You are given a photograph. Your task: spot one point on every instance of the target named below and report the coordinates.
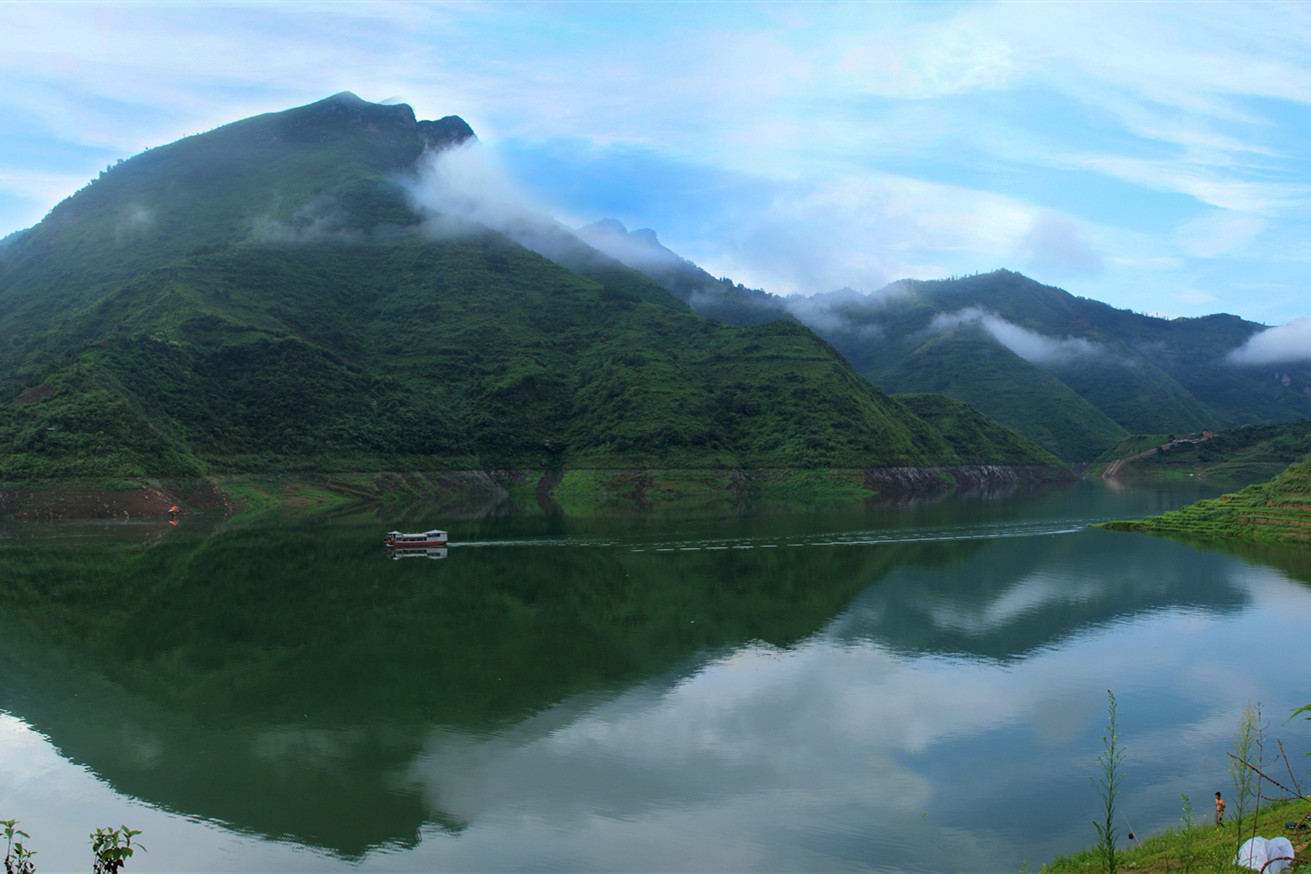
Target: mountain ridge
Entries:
(1071, 373)
(276, 295)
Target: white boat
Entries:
(419, 540)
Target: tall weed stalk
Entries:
(1108, 785)
(1244, 768)
(1187, 838)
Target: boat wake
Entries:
(875, 537)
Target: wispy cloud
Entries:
(467, 182)
(845, 309)
(1031, 346)
(319, 221)
(133, 223)
(1282, 344)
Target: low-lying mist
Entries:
(1282, 344)
(1031, 346)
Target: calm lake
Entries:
(912, 688)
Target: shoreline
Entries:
(1203, 847)
(476, 492)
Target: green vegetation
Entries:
(1193, 847)
(110, 849)
(1190, 846)
(262, 299)
(1093, 374)
(965, 364)
(18, 858)
(1236, 456)
(975, 438)
(1108, 781)
(1278, 511)
(1186, 850)
(1247, 751)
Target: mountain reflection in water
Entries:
(796, 692)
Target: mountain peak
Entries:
(351, 109)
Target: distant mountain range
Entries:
(305, 290)
(1072, 374)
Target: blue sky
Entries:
(1156, 156)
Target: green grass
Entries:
(1212, 849)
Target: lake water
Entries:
(920, 687)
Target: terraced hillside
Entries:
(1278, 511)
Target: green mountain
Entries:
(1144, 374)
(271, 296)
(1072, 374)
(965, 363)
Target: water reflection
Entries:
(907, 687)
(436, 552)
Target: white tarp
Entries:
(1257, 854)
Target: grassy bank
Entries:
(1278, 511)
(1202, 847)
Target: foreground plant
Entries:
(18, 859)
(1245, 766)
(1108, 782)
(1187, 838)
(112, 848)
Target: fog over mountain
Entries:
(1029, 345)
(1282, 343)
(1103, 372)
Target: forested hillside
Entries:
(267, 296)
(1072, 374)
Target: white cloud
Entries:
(834, 311)
(822, 234)
(1206, 184)
(467, 182)
(1285, 343)
(1029, 345)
